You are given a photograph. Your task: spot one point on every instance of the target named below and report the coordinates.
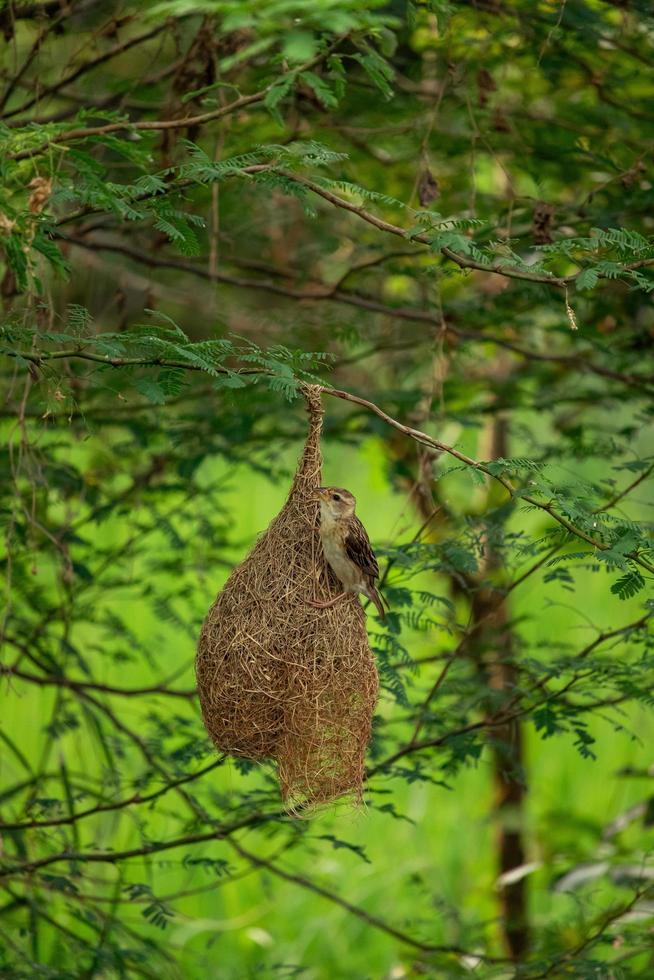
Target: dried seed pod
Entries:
(543, 223)
(428, 188)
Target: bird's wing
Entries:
(358, 549)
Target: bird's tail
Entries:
(376, 598)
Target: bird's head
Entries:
(335, 503)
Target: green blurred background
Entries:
(210, 178)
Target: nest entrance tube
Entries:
(279, 679)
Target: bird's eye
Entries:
(336, 496)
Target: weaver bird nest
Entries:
(279, 679)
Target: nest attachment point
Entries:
(279, 679)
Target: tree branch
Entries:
(322, 292)
(128, 692)
(136, 800)
(427, 440)
(154, 847)
(158, 125)
(463, 261)
(367, 917)
(421, 437)
(627, 490)
(86, 66)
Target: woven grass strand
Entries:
(279, 679)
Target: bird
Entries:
(346, 547)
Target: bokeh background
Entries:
(191, 190)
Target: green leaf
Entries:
(378, 70)
(151, 389)
(343, 844)
(586, 280)
(279, 91)
(300, 46)
(257, 47)
(628, 585)
(322, 91)
(16, 260)
(277, 94)
(41, 243)
(229, 380)
(337, 75)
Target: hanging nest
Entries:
(279, 679)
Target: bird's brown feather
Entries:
(359, 550)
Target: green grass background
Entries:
(432, 872)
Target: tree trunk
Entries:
(491, 645)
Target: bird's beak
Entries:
(319, 493)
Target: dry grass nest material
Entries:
(279, 679)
